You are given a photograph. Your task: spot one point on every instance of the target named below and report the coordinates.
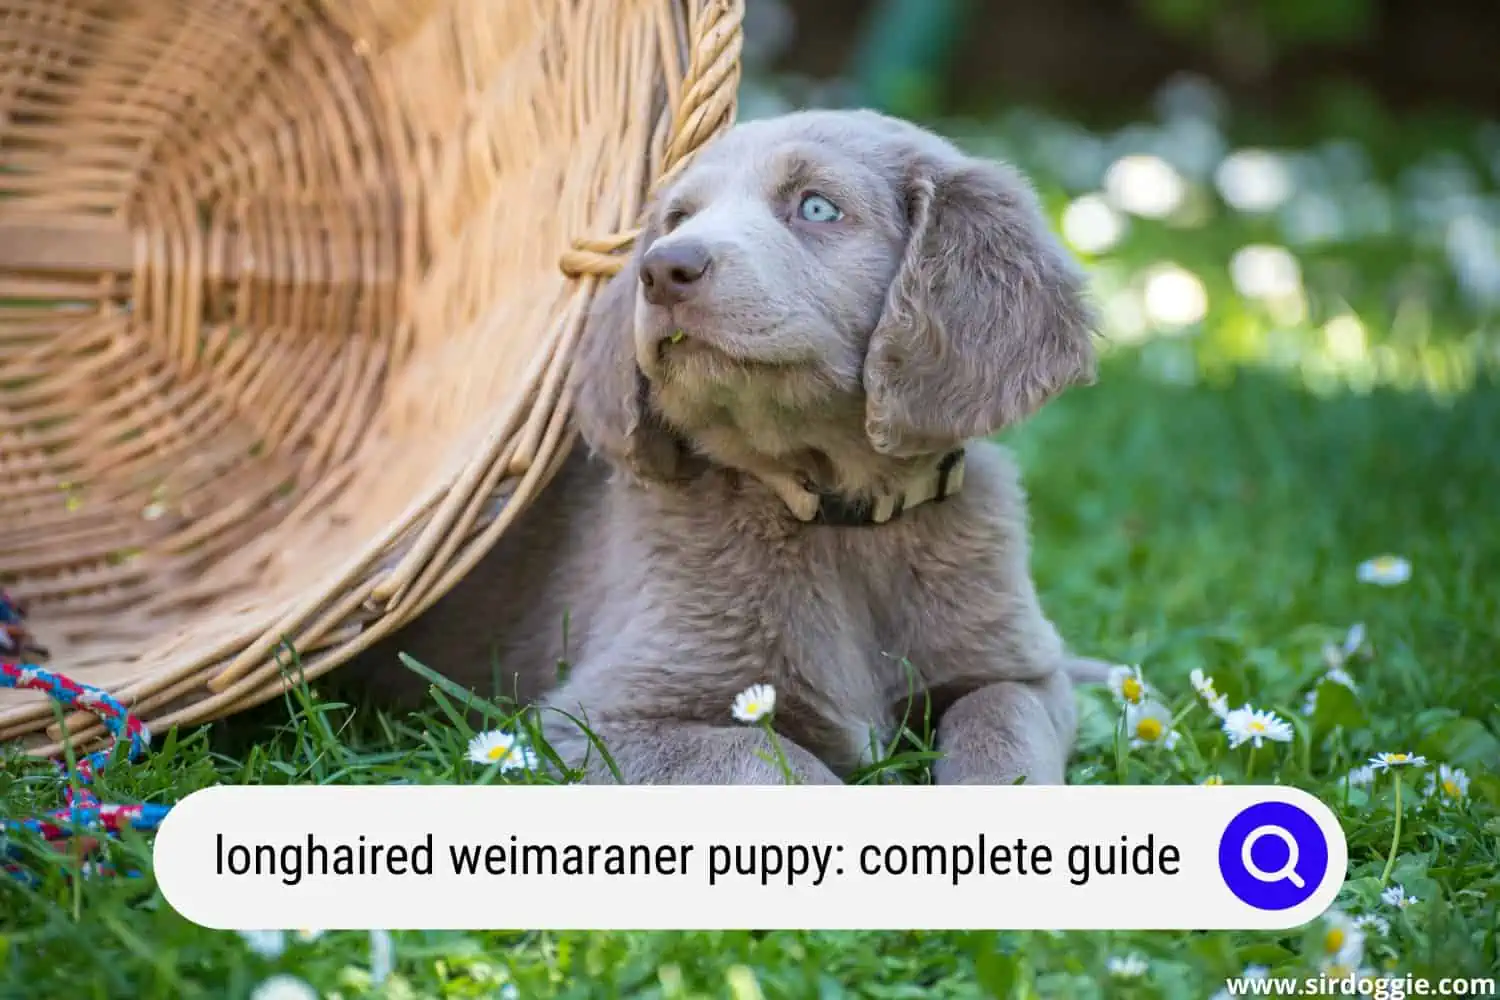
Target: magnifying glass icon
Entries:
(1288, 871)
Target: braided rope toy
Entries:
(83, 814)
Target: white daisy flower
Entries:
(1386, 761)
(1255, 726)
(1384, 571)
(1373, 922)
(382, 956)
(1396, 896)
(1362, 776)
(1449, 783)
(1213, 780)
(1150, 724)
(1128, 685)
(1132, 966)
(499, 747)
(266, 944)
(284, 987)
(1343, 942)
(754, 703)
(1204, 685)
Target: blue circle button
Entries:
(1273, 856)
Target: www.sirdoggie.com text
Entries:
(792, 864)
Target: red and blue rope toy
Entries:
(83, 816)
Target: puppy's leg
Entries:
(1007, 731)
(682, 753)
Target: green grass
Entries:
(1178, 527)
(1212, 519)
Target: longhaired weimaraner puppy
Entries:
(783, 397)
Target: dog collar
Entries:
(815, 506)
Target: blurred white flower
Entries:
(1262, 271)
(1310, 219)
(1255, 726)
(1174, 296)
(1384, 571)
(754, 703)
(266, 944)
(1310, 703)
(1090, 224)
(284, 987)
(1131, 966)
(1254, 180)
(1204, 685)
(1336, 656)
(1340, 676)
(1449, 782)
(1334, 971)
(1397, 896)
(1345, 336)
(1362, 776)
(1145, 185)
(1373, 922)
(1150, 724)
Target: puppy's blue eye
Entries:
(816, 208)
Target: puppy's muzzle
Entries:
(672, 272)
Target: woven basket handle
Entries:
(707, 108)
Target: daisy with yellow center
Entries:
(1451, 783)
(1373, 922)
(754, 703)
(1255, 726)
(1384, 571)
(1128, 685)
(1389, 761)
(1342, 941)
(1150, 724)
(499, 747)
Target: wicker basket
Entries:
(283, 327)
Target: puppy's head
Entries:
(832, 268)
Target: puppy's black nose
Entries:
(670, 272)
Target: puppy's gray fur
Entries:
(852, 354)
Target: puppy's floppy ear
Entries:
(985, 320)
(612, 407)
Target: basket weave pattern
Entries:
(288, 295)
